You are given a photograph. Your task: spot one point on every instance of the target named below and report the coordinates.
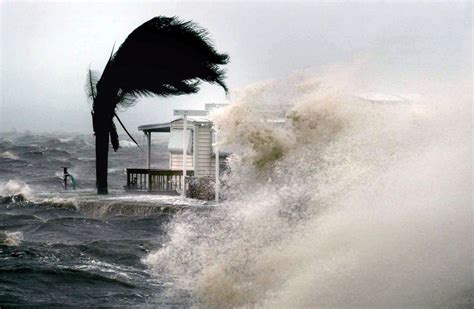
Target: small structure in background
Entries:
(194, 158)
(65, 176)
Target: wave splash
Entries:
(348, 202)
(11, 239)
(8, 155)
(15, 188)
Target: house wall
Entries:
(201, 160)
(203, 149)
(176, 160)
(205, 160)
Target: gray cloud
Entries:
(47, 47)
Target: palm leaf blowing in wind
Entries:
(164, 57)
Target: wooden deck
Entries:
(158, 180)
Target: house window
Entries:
(175, 144)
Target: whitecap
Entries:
(66, 140)
(12, 239)
(15, 187)
(127, 144)
(8, 155)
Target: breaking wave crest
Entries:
(8, 155)
(15, 188)
(12, 239)
(127, 144)
(349, 201)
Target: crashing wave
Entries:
(15, 188)
(12, 239)
(9, 155)
(127, 144)
(60, 202)
(346, 203)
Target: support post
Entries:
(216, 149)
(148, 159)
(185, 152)
(148, 152)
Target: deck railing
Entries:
(143, 179)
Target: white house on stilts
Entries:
(192, 154)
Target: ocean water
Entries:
(350, 202)
(73, 248)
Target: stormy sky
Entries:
(47, 48)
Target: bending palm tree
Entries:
(164, 57)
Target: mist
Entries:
(48, 47)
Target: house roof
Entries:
(166, 127)
(198, 119)
(157, 127)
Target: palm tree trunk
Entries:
(101, 122)
(101, 160)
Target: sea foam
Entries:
(12, 239)
(15, 187)
(348, 202)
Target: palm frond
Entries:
(91, 84)
(114, 140)
(128, 133)
(125, 99)
(166, 56)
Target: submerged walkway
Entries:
(120, 203)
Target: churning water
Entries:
(335, 197)
(65, 248)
